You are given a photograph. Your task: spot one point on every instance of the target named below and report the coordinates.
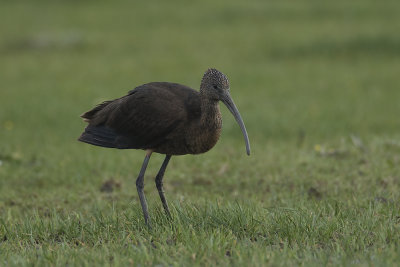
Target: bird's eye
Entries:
(215, 86)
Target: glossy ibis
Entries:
(166, 118)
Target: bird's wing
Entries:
(142, 119)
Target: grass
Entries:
(316, 84)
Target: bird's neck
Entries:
(210, 114)
(205, 132)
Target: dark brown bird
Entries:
(166, 118)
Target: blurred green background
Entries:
(327, 69)
(316, 82)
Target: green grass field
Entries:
(317, 84)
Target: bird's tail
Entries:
(87, 116)
(99, 136)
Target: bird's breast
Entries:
(196, 135)
(204, 136)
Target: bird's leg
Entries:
(159, 184)
(140, 186)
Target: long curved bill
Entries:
(227, 100)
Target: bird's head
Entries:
(215, 86)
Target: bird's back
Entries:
(150, 116)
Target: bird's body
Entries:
(162, 117)
(167, 118)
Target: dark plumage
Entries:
(162, 117)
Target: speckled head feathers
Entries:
(214, 79)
